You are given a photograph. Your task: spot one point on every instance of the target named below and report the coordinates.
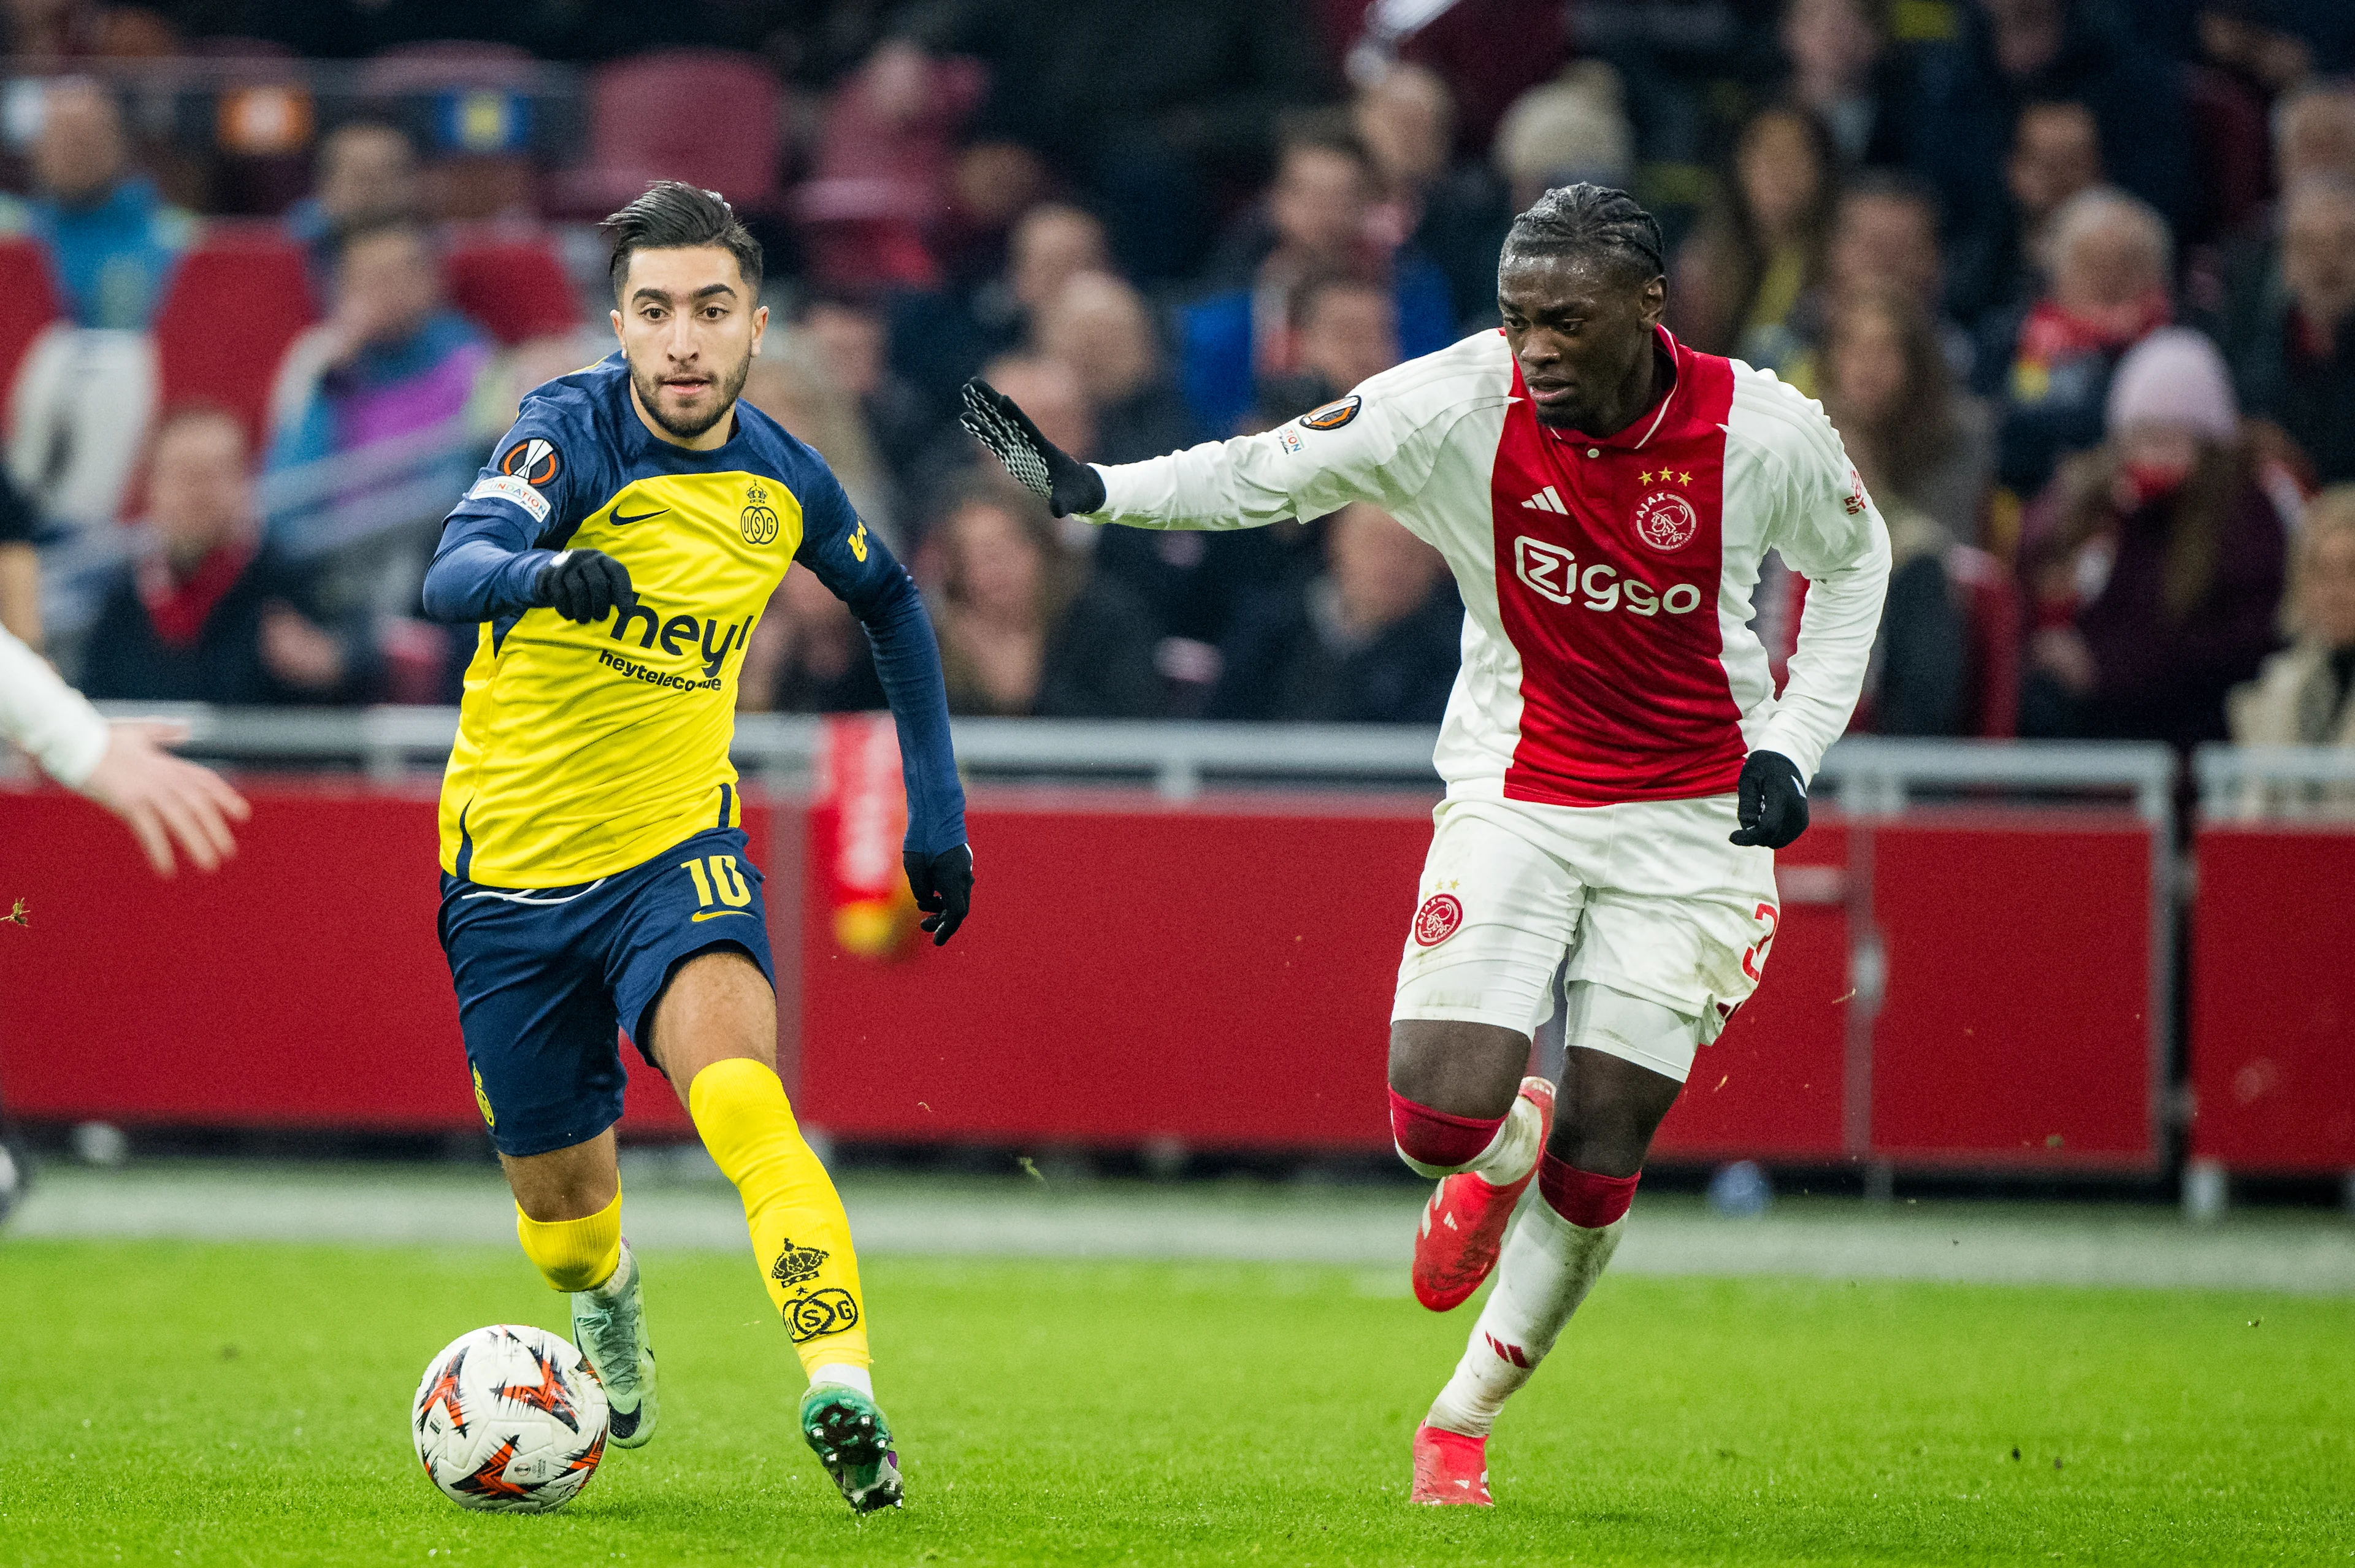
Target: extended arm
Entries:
(860, 570)
(1378, 444)
(1844, 558)
(123, 767)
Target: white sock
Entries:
(1548, 1267)
(1510, 1155)
(846, 1374)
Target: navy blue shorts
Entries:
(547, 976)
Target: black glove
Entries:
(942, 884)
(1771, 799)
(1045, 470)
(584, 585)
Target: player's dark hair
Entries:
(675, 215)
(1588, 219)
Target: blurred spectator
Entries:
(1488, 52)
(78, 30)
(938, 339)
(1374, 640)
(1315, 220)
(2156, 563)
(1149, 107)
(2051, 364)
(788, 382)
(808, 655)
(1023, 628)
(2305, 695)
(850, 343)
(1924, 449)
(1841, 70)
(1571, 131)
(111, 237)
(2297, 367)
(211, 614)
(1914, 435)
(2056, 154)
(1760, 245)
(2011, 53)
(20, 567)
(1096, 327)
(367, 177)
(1452, 214)
(879, 186)
(391, 360)
(1347, 332)
(1885, 234)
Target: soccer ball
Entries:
(511, 1418)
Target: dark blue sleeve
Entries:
(861, 571)
(495, 541)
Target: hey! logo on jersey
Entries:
(534, 462)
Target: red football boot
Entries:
(1463, 1224)
(1450, 1469)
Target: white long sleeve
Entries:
(51, 720)
(1828, 529)
(1378, 444)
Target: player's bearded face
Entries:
(689, 332)
(1582, 330)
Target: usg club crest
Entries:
(758, 523)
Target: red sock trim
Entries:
(1582, 1197)
(1434, 1137)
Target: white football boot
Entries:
(609, 1324)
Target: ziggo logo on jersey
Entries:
(1552, 572)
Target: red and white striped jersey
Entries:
(1606, 580)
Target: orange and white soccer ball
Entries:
(511, 1418)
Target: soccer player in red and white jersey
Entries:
(1619, 767)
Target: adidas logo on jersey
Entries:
(1545, 500)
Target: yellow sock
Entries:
(574, 1254)
(801, 1237)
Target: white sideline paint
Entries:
(1820, 1238)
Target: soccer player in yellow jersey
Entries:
(615, 554)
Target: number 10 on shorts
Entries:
(724, 879)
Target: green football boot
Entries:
(847, 1432)
(609, 1326)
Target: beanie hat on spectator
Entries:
(2174, 377)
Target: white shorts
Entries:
(1645, 898)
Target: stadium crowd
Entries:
(2076, 279)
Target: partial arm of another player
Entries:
(1833, 534)
(123, 767)
(861, 571)
(1370, 452)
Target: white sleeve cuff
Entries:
(51, 720)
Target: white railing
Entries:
(2272, 783)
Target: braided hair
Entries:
(1579, 219)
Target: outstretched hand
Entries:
(163, 799)
(942, 884)
(1771, 799)
(1045, 470)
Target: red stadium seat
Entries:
(28, 305)
(708, 116)
(1992, 616)
(236, 303)
(512, 284)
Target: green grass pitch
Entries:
(184, 1403)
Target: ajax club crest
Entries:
(758, 523)
(1666, 521)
